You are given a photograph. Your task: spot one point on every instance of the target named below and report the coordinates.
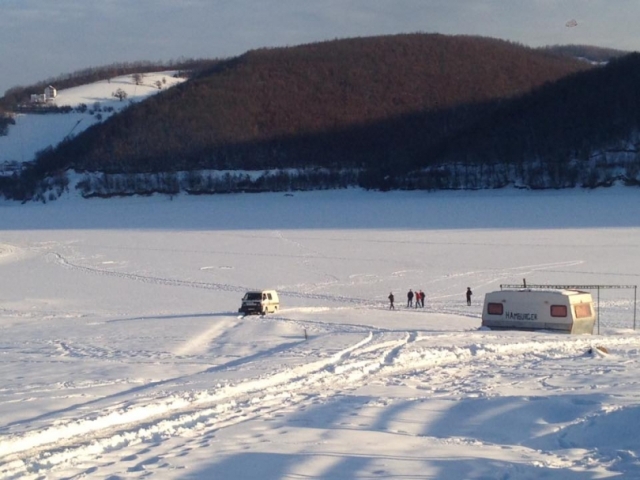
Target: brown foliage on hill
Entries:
(336, 84)
(312, 89)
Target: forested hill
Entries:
(380, 105)
(312, 88)
(315, 88)
(581, 130)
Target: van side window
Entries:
(264, 296)
(582, 310)
(269, 295)
(558, 310)
(495, 309)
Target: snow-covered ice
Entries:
(123, 355)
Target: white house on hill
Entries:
(49, 94)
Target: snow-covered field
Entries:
(35, 132)
(122, 354)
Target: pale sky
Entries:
(43, 38)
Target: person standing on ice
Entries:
(469, 293)
(409, 299)
(391, 299)
(421, 293)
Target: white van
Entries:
(568, 311)
(260, 301)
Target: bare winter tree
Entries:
(120, 94)
(137, 78)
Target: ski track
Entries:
(490, 277)
(58, 258)
(437, 296)
(375, 357)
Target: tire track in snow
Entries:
(44, 450)
(35, 442)
(373, 357)
(200, 342)
(12, 253)
(7, 251)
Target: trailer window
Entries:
(558, 310)
(583, 310)
(495, 309)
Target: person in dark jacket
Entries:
(410, 298)
(391, 299)
(469, 293)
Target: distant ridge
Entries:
(588, 53)
(401, 111)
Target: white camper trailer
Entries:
(567, 311)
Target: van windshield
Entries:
(253, 296)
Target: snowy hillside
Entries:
(123, 355)
(35, 132)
